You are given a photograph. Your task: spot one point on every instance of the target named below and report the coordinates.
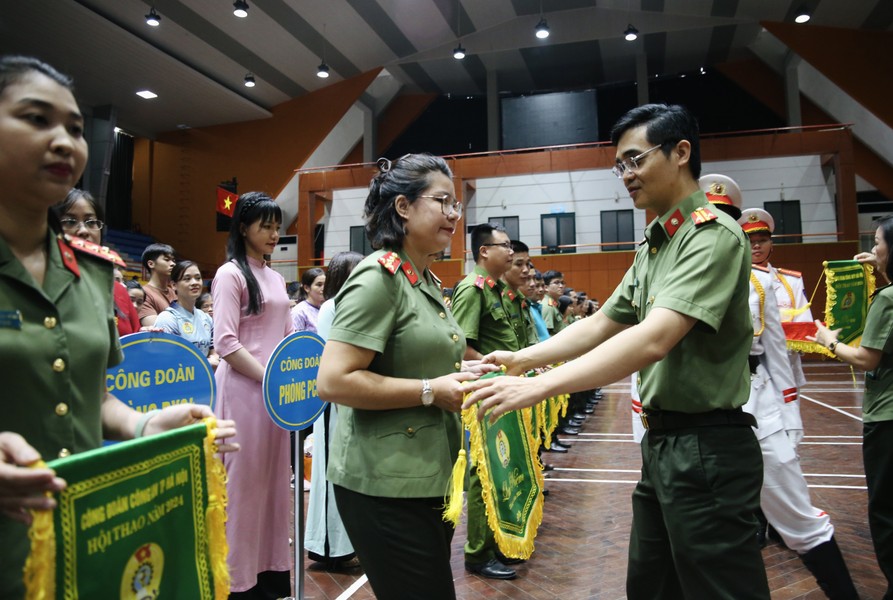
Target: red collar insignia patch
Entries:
(673, 224)
(68, 258)
(410, 273)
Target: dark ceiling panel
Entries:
(724, 8)
(302, 31)
(655, 45)
(581, 65)
(653, 5)
(721, 38)
(460, 26)
(534, 7)
(204, 30)
(417, 73)
(881, 17)
(376, 17)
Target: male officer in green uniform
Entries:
(680, 317)
(484, 314)
(514, 298)
(554, 282)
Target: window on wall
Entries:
(617, 226)
(558, 230)
(359, 242)
(510, 224)
(786, 214)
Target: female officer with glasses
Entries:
(394, 365)
(81, 216)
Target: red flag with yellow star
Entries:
(226, 201)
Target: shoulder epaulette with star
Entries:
(95, 250)
(702, 215)
(760, 268)
(390, 261)
(796, 274)
(509, 294)
(481, 280)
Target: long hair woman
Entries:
(250, 319)
(874, 355)
(310, 298)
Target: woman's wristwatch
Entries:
(833, 347)
(427, 393)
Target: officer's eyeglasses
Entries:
(631, 163)
(506, 245)
(74, 224)
(447, 203)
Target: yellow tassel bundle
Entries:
(40, 568)
(456, 487)
(216, 513)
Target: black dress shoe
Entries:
(548, 467)
(579, 416)
(589, 409)
(508, 561)
(558, 442)
(575, 423)
(566, 430)
(556, 448)
(491, 570)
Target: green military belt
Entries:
(657, 420)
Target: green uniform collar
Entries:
(678, 217)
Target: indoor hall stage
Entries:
(581, 547)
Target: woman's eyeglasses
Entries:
(447, 203)
(74, 224)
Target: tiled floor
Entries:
(582, 543)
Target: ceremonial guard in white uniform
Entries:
(787, 285)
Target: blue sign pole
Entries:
(293, 403)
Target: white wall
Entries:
(587, 193)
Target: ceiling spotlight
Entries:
(240, 8)
(803, 15)
(249, 80)
(542, 29)
(323, 70)
(459, 52)
(147, 94)
(631, 33)
(153, 19)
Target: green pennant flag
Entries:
(138, 520)
(512, 480)
(850, 285)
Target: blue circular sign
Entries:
(160, 370)
(290, 395)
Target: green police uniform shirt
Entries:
(388, 307)
(519, 314)
(694, 261)
(877, 404)
(553, 319)
(56, 342)
(481, 313)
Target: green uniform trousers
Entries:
(694, 531)
(480, 545)
(877, 454)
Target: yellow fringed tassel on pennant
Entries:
(40, 568)
(456, 487)
(216, 513)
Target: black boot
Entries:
(826, 564)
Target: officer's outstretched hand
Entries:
(502, 394)
(866, 257)
(478, 367)
(509, 360)
(23, 488)
(449, 390)
(180, 415)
